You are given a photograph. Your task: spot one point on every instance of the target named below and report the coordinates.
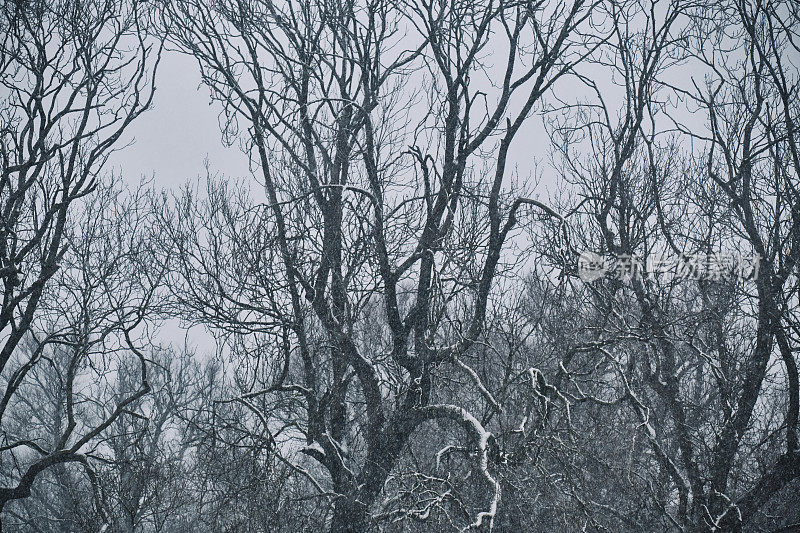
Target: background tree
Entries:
(74, 74)
(701, 364)
(83, 365)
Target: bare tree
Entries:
(370, 211)
(752, 156)
(93, 317)
(386, 357)
(75, 74)
(697, 362)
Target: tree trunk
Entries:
(350, 516)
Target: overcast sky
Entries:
(174, 138)
(172, 141)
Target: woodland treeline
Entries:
(401, 341)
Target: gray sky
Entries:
(174, 138)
